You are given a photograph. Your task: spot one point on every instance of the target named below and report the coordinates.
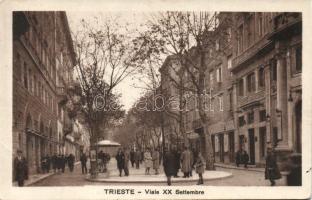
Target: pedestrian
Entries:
(20, 168)
(177, 156)
(169, 165)
(120, 157)
(141, 157)
(137, 158)
(43, 162)
(59, 163)
(63, 162)
(245, 158)
(199, 167)
(132, 160)
(193, 160)
(155, 157)
(126, 162)
(238, 157)
(271, 169)
(70, 162)
(83, 161)
(54, 162)
(294, 176)
(148, 162)
(48, 166)
(186, 162)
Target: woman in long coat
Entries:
(199, 166)
(155, 157)
(271, 169)
(169, 165)
(120, 157)
(186, 161)
(148, 161)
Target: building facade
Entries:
(254, 89)
(43, 57)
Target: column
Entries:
(281, 108)
(245, 85)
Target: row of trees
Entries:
(106, 55)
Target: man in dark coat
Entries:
(83, 160)
(271, 169)
(71, 161)
(59, 162)
(294, 177)
(43, 162)
(120, 157)
(48, 165)
(20, 168)
(54, 162)
(132, 157)
(245, 158)
(137, 158)
(169, 164)
(63, 162)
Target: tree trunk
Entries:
(93, 147)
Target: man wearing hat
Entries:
(20, 168)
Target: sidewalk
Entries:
(34, 178)
(139, 176)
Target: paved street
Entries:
(239, 178)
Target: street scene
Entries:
(157, 98)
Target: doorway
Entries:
(298, 114)
(231, 147)
(251, 137)
(221, 145)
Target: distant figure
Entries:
(155, 157)
(245, 158)
(54, 162)
(63, 163)
(43, 164)
(186, 160)
(148, 161)
(83, 161)
(137, 158)
(294, 177)
(132, 160)
(71, 162)
(48, 165)
(20, 168)
(59, 163)
(241, 157)
(271, 169)
(193, 160)
(169, 165)
(177, 156)
(199, 167)
(126, 164)
(120, 157)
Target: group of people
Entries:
(58, 162)
(242, 157)
(187, 160)
(103, 159)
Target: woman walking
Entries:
(120, 157)
(199, 166)
(148, 161)
(271, 169)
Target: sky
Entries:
(134, 20)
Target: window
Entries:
(241, 121)
(229, 34)
(219, 75)
(262, 115)
(230, 100)
(275, 137)
(298, 59)
(273, 70)
(250, 117)
(240, 44)
(251, 84)
(229, 62)
(260, 24)
(262, 133)
(25, 76)
(211, 78)
(261, 77)
(211, 104)
(35, 85)
(217, 45)
(221, 103)
(241, 87)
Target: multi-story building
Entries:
(43, 57)
(267, 90)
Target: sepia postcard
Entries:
(155, 99)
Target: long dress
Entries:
(186, 161)
(148, 159)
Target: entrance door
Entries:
(251, 136)
(262, 141)
(221, 145)
(231, 147)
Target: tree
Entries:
(105, 57)
(189, 36)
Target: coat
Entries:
(148, 159)
(137, 156)
(271, 168)
(20, 169)
(155, 157)
(169, 164)
(127, 158)
(200, 164)
(120, 157)
(186, 161)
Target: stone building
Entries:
(43, 57)
(266, 69)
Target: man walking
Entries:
(132, 157)
(120, 157)
(155, 157)
(271, 170)
(83, 161)
(137, 158)
(126, 164)
(20, 168)
(186, 162)
(169, 165)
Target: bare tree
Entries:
(188, 36)
(105, 57)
